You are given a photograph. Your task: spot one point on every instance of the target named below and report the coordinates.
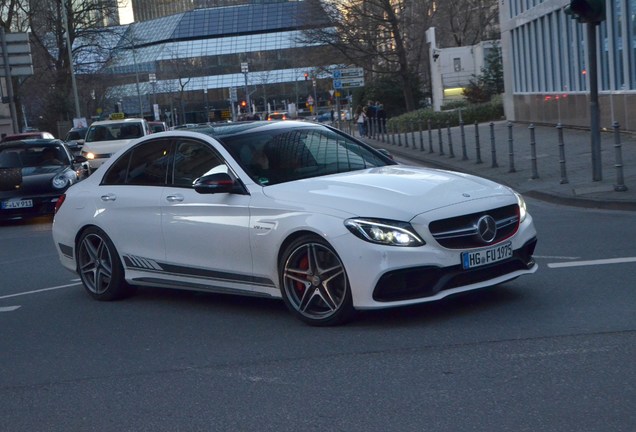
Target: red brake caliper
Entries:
(303, 264)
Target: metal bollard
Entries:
(406, 135)
(533, 152)
(384, 136)
(511, 152)
(493, 149)
(477, 147)
(463, 133)
(393, 135)
(413, 135)
(430, 137)
(564, 176)
(441, 141)
(421, 136)
(450, 141)
(620, 181)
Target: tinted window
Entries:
(145, 164)
(290, 154)
(194, 159)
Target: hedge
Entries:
(486, 112)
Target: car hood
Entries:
(393, 192)
(36, 180)
(105, 147)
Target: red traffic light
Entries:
(243, 104)
(306, 76)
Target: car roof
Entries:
(32, 142)
(239, 128)
(126, 120)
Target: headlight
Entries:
(89, 155)
(386, 232)
(523, 211)
(63, 180)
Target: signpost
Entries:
(346, 78)
(16, 61)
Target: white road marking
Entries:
(555, 257)
(40, 290)
(9, 308)
(593, 262)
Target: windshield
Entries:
(279, 156)
(33, 156)
(114, 131)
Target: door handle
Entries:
(109, 197)
(174, 198)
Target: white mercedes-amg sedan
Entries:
(291, 210)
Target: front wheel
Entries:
(314, 282)
(99, 266)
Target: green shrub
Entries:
(414, 120)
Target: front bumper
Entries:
(429, 281)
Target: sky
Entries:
(125, 11)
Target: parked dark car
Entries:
(33, 175)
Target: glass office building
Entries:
(197, 61)
(545, 55)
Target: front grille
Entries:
(461, 232)
(426, 281)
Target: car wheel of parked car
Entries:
(314, 282)
(99, 266)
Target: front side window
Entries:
(144, 165)
(194, 159)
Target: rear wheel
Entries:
(99, 266)
(314, 282)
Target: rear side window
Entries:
(143, 165)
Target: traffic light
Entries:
(587, 11)
(243, 105)
(306, 76)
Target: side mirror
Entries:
(218, 183)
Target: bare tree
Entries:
(467, 22)
(385, 37)
(47, 93)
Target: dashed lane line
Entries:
(593, 262)
(40, 290)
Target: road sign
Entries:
(310, 100)
(346, 83)
(17, 55)
(348, 73)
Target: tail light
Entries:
(59, 202)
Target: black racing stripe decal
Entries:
(153, 266)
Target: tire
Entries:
(314, 282)
(99, 266)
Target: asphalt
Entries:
(549, 168)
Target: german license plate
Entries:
(17, 204)
(487, 256)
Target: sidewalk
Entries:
(549, 179)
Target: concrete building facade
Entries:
(546, 63)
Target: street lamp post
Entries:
(134, 52)
(69, 48)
